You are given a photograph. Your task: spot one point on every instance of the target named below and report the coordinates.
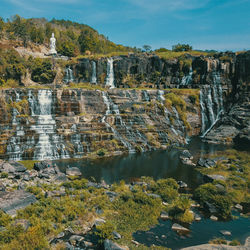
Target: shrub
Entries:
(5, 219)
(4, 175)
(234, 243)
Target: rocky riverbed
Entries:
(88, 215)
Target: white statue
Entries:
(52, 45)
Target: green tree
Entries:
(147, 48)
(181, 47)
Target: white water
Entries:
(49, 144)
(93, 77)
(211, 102)
(68, 75)
(146, 96)
(113, 108)
(187, 80)
(110, 73)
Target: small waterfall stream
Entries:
(69, 75)
(110, 73)
(211, 102)
(113, 108)
(187, 80)
(93, 77)
(49, 145)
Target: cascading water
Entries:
(45, 128)
(93, 77)
(68, 75)
(110, 73)
(76, 141)
(187, 80)
(44, 143)
(145, 96)
(113, 108)
(211, 102)
(161, 98)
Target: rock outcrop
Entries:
(62, 123)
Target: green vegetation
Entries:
(4, 175)
(29, 164)
(182, 47)
(42, 71)
(84, 85)
(172, 54)
(236, 170)
(72, 38)
(131, 210)
(235, 189)
(178, 102)
(210, 193)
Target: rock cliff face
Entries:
(53, 124)
(152, 71)
(212, 101)
(234, 127)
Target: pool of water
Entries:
(157, 164)
(200, 233)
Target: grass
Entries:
(84, 85)
(98, 56)
(236, 169)
(173, 55)
(29, 164)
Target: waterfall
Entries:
(160, 95)
(68, 75)
(145, 96)
(113, 108)
(187, 80)
(211, 102)
(76, 141)
(93, 77)
(49, 145)
(17, 97)
(110, 73)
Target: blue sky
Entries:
(205, 24)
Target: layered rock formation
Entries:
(63, 123)
(53, 124)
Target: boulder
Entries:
(60, 177)
(164, 215)
(38, 166)
(186, 154)
(116, 235)
(207, 163)
(99, 222)
(10, 202)
(197, 217)
(75, 240)
(239, 207)
(225, 233)
(211, 208)
(110, 245)
(214, 177)
(182, 184)
(18, 166)
(154, 195)
(214, 218)
(179, 228)
(73, 171)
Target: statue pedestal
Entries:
(52, 52)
